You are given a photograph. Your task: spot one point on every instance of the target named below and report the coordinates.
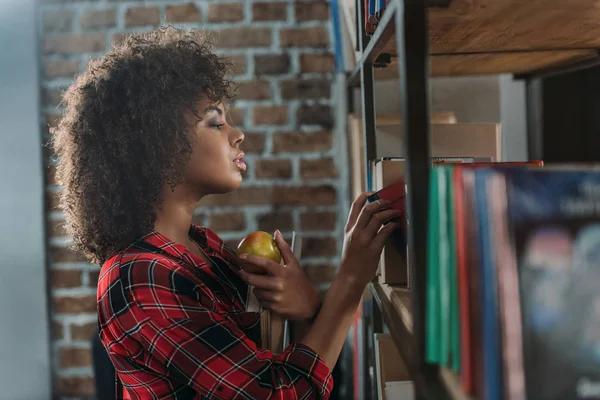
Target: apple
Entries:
(260, 244)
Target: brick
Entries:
(272, 221)
(243, 37)
(93, 277)
(316, 169)
(56, 228)
(254, 143)
(183, 13)
(304, 195)
(273, 169)
(51, 97)
(305, 89)
(312, 11)
(64, 254)
(320, 273)
(238, 64)
(83, 332)
(199, 219)
(271, 64)
(254, 90)
(316, 63)
(61, 279)
(118, 37)
(225, 12)
(58, 332)
(67, 43)
(244, 196)
(52, 201)
(74, 358)
(141, 16)
(318, 221)
(93, 19)
(74, 305)
(75, 386)
(61, 68)
(271, 115)
(269, 12)
(315, 36)
(235, 221)
(299, 142)
(58, 21)
(319, 247)
(315, 115)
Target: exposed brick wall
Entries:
(282, 51)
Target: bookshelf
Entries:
(418, 39)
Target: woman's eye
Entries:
(217, 126)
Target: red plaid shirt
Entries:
(176, 327)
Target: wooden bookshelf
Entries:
(429, 38)
(496, 36)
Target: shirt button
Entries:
(219, 389)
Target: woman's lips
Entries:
(239, 163)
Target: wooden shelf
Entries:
(395, 309)
(394, 303)
(520, 63)
(496, 36)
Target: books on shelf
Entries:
(388, 181)
(515, 310)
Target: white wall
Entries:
(477, 99)
(24, 333)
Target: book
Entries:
(275, 329)
(554, 233)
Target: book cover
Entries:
(554, 221)
(460, 232)
(432, 324)
(492, 371)
(453, 273)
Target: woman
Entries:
(143, 138)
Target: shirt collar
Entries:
(157, 239)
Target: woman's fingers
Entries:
(270, 296)
(264, 282)
(270, 266)
(357, 207)
(286, 252)
(379, 219)
(368, 211)
(384, 234)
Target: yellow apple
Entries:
(260, 244)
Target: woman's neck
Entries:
(175, 216)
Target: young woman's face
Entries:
(216, 163)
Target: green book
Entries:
(432, 321)
(444, 266)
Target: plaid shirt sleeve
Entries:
(186, 331)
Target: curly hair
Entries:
(126, 132)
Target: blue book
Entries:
(492, 372)
(554, 225)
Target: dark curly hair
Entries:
(127, 131)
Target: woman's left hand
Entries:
(285, 289)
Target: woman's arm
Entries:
(365, 237)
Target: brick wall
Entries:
(282, 50)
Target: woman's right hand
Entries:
(364, 239)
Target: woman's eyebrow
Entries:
(213, 108)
